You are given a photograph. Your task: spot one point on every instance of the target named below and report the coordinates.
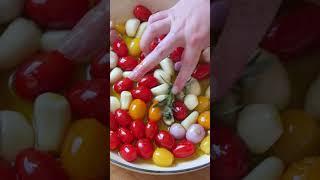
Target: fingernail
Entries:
(174, 90)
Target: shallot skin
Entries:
(195, 133)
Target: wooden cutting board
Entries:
(117, 173)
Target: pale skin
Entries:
(187, 25)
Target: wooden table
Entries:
(117, 173)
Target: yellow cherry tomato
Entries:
(300, 137)
(154, 112)
(306, 169)
(120, 28)
(85, 150)
(162, 157)
(204, 119)
(205, 145)
(134, 47)
(127, 40)
(204, 104)
(137, 109)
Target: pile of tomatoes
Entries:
(268, 127)
(146, 119)
(54, 112)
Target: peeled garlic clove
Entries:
(125, 99)
(52, 116)
(162, 76)
(259, 126)
(189, 120)
(207, 93)
(180, 95)
(193, 87)
(167, 66)
(141, 29)
(51, 40)
(113, 59)
(191, 101)
(132, 26)
(160, 98)
(168, 121)
(115, 75)
(16, 134)
(269, 169)
(126, 74)
(114, 104)
(161, 89)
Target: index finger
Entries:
(165, 47)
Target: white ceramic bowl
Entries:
(120, 11)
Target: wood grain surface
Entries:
(117, 173)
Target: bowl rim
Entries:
(160, 172)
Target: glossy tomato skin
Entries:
(154, 43)
(32, 164)
(165, 139)
(123, 118)
(88, 99)
(180, 111)
(175, 56)
(184, 149)
(56, 14)
(137, 128)
(128, 152)
(149, 81)
(7, 172)
(99, 68)
(142, 93)
(42, 73)
(234, 162)
(127, 63)
(202, 71)
(115, 141)
(113, 122)
(142, 13)
(125, 135)
(124, 84)
(151, 130)
(145, 148)
(120, 48)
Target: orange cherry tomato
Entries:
(204, 104)
(85, 150)
(204, 119)
(137, 109)
(154, 112)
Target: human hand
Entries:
(187, 24)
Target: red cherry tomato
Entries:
(127, 63)
(176, 54)
(142, 56)
(142, 93)
(149, 81)
(7, 172)
(184, 149)
(57, 14)
(231, 157)
(42, 73)
(128, 152)
(138, 129)
(115, 141)
(125, 135)
(202, 71)
(180, 111)
(120, 48)
(154, 43)
(165, 139)
(151, 130)
(123, 118)
(142, 13)
(88, 99)
(36, 165)
(113, 122)
(99, 67)
(124, 84)
(145, 148)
